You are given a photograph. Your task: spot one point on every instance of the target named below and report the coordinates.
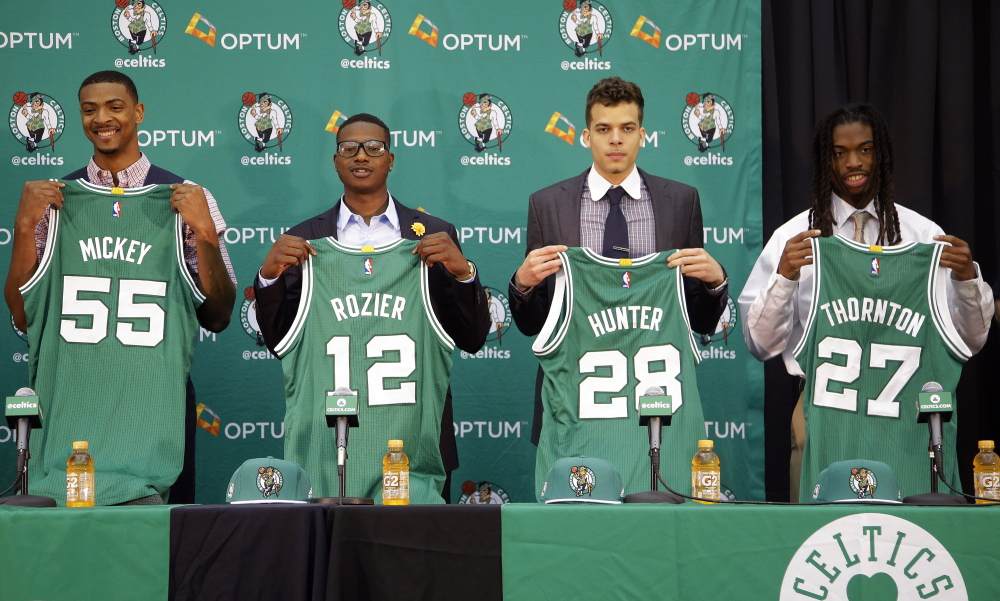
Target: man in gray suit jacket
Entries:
(656, 214)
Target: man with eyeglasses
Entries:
(367, 215)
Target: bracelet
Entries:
(720, 286)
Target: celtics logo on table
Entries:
(707, 120)
(873, 556)
(585, 26)
(139, 25)
(365, 25)
(265, 120)
(36, 120)
(485, 120)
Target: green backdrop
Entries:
(416, 76)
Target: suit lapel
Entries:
(407, 218)
(568, 212)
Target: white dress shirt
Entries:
(774, 309)
(353, 231)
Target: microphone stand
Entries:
(21, 497)
(343, 424)
(655, 425)
(934, 450)
(23, 428)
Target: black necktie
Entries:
(615, 228)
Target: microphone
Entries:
(655, 412)
(342, 413)
(23, 413)
(934, 406)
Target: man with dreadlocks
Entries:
(852, 196)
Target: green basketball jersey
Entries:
(112, 326)
(878, 330)
(613, 332)
(365, 323)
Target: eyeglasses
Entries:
(373, 148)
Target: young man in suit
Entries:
(367, 214)
(653, 215)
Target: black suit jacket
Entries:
(554, 218)
(462, 309)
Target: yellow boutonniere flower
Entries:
(418, 229)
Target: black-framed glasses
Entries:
(373, 148)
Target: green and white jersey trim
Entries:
(305, 299)
(937, 294)
(560, 315)
(54, 215)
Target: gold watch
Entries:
(470, 276)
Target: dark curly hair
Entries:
(612, 91)
(821, 213)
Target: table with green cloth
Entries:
(855, 552)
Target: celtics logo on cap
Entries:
(265, 120)
(485, 121)
(863, 482)
(36, 120)
(726, 325)
(482, 493)
(499, 314)
(707, 120)
(139, 25)
(582, 480)
(585, 26)
(365, 25)
(269, 481)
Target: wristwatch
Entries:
(470, 276)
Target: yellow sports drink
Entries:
(80, 476)
(705, 472)
(986, 473)
(395, 475)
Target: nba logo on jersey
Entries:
(876, 266)
(627, 279)
(368, 266)
(116, 209)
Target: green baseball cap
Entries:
(269, 480)
(857, 480)
(583, 480)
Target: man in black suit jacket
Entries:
(661, 215)
(363, 162)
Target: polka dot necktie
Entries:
(615, 227)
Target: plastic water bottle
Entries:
(80, 476)
(705, 472)
(395, 475)
(986, 470)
